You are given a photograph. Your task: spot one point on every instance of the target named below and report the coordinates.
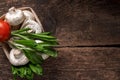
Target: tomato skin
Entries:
(4, 31)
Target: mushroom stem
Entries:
(12, 9)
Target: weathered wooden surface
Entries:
(84, 64)
(76, 64)
(76, 23)
(87, 22)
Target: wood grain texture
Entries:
(85, 64)
(87, 22)
(76, 22)
(75, 64)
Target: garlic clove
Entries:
(14, 16)
(33, 25)
(17, 58)
(28, 14)
(44, 56)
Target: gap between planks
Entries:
(112, 45)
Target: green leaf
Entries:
(36, 69)
(27, 43)
(47, 44)
(49, 52)
(38, 36)
(23, 72)
(33, 57)
(45, 33)
(46, 49)
(39, 48)
(20, 36)
(20, 31)
(48, 40)
(44, 36)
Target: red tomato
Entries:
(4, 31)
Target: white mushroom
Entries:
(17, 58)
(14, 16)
(33, 25)
(28, 14)
(44, 56)
(36, 28)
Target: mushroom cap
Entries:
(33, 25)
(14, 17)
(17, 58)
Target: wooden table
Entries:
(88, 32)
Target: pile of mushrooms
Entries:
(16, 17)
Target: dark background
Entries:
(88, 32)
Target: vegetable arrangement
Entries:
(30, 46)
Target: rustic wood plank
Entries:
(5, 69)
(87, 22)
(76, 22)
(75, 64)
(84, 64)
